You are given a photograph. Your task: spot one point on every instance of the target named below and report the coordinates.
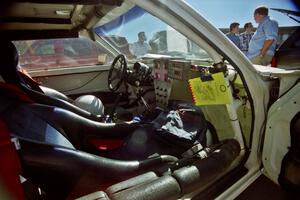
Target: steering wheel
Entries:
(117, 73)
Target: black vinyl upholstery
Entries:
(165, 187)
(49, 155)
(195, 176)
(54, 93)
(9, 63)
(49, 120)
(204, 171)
(50, 158)
(58, 102)
(60, 170)
(138, 180)
(37, 87)
(53, 135)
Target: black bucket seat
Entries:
(11, 73)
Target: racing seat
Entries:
(83, 133)
(51, 140)
(52, 136)
(81, 127)
(12, 73)
(51, 161)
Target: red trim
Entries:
(106, 144)
(274, 62)
(10, 167)
(13, 90)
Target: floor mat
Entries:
(263, 188)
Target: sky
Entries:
(223, 12)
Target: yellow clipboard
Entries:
(213, 92)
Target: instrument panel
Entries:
(179, 69)
(165, 72)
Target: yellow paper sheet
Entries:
(210, 92)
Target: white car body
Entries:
(273, 124)
(270, 125)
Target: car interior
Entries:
(133, 130)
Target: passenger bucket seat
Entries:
(12, 73)
(83, 133)
(51, 162)
(90, 135)
(51, 159)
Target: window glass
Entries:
(45, 49)
(61, 53)
(138, 34)
(78, 47)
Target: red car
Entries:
(60, 53)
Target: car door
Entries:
(281, 143)
(287, 55)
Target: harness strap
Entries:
(30, 81)
(15, 92)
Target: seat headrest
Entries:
(9, 62)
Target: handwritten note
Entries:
(211, 92)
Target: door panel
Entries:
(69, 81)
(277, 136)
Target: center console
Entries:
(171, 80)
(162, 83)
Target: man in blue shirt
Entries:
(233, 35)
(262, 44)
(141, 47)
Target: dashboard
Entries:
(171, 80)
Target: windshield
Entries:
(129, 35)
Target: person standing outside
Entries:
(246, 36)
(263, 43)
(140, 47)
(233, 34)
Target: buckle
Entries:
(197, 151)
(16, 142)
